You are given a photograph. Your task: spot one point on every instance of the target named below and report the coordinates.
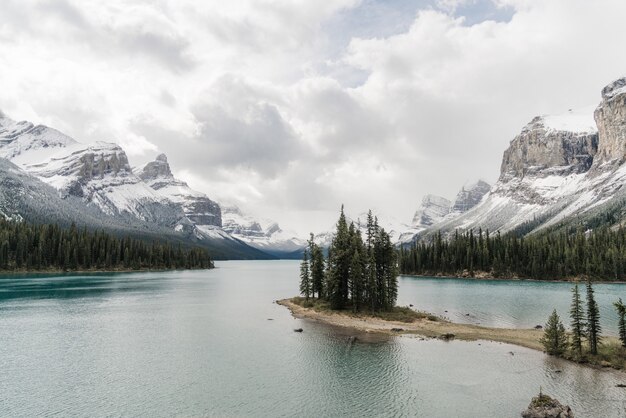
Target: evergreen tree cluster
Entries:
(35, 247)
(600, 254)
(585, 326)
(360, 274)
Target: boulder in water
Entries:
(543, 406)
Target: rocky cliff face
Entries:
(94, 185)
(197, 206)
(432, 210)
(558, 168)
(263, 234)
(541, 149)
(98, 173)
(470, 196)
(610, 117)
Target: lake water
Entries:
(505, 303)
(200, 343)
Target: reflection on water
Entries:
(201, 344)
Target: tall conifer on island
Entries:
(577, 316)
(621, 311)
(305, 277)
(316, 267)
(554, 339)
(593, 321)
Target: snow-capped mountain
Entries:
(202, 216)
(435, 210)
(469, 196)
(98, 177)
(559, 168)
(264, 234)
(98, 173)
(432, 210)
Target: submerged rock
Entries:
(543, 406)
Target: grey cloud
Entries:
(65, 11)
(263, 142)
(236, 130)
(169, 51)
(167, 98)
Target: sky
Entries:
(290, 108)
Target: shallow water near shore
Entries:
(213, 343)
(505, 303)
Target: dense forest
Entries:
(597, 255)
(44, 247)
(358, 274)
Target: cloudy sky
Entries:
(289, 108)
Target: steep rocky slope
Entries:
(264, 234)
(558, 169)
(199, 211)
(98, 180)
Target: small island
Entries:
(356, 287)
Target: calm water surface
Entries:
(201, 344)
(505, 303)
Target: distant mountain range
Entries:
(560, 170)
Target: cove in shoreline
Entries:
(443, 329)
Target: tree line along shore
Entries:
(28, 247)
(598, 255)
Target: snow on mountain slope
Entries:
(432, 210)
(579, 120)
(263, 234)
(197, 207)
(24, 143)
(103, 190)
(98, 173)
(436, 210)
(557, 168)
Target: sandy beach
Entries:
(424, 327)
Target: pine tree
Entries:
(554, 339)
(577, 316)
(305, 276)
(593, 321)
(317, 268)
(356, 281)
(621, 312)
(339, 261)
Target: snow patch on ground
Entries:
(579, 121)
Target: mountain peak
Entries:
(614, 88)
(470, 195)
(432, 210)
(156, 169)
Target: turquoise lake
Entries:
(201, 343)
